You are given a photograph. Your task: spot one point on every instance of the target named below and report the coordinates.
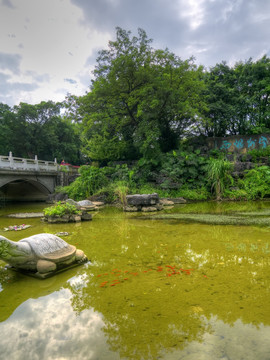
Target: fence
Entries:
(16, 163)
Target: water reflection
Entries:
(148, 307)
(47, 328)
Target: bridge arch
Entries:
(26, 188)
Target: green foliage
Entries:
(182, 167)
(141, 101)
(29, 130)
(238, 98)
(256, 154)
(256, 183)
(61, 209)
(219, 175)
(121, 190)
(197, 194)
(91, 180)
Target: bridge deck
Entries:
(16, 163)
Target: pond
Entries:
(154, 289)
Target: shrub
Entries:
(256, 154)
(61, 210)
(91, 180)
(219, 175)
(182, 167)
(121, 190)
(256, 183)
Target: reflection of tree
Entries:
(150, 311)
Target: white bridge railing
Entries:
(15, 163)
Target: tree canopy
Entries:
(29, 130)
(141, 102)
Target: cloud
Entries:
(7, 3)
(71, 81)
(212, 31)
(40, 78)
(11, 90)
(10, 62)
(55, 41)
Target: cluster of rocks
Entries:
(83, 206)
(84, 216)
(146, 203)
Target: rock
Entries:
(73, 202)
(62, 233)
(55, 220)
(85, 203)
(132, 208)
(149, 208)
(26, 215)
(86, 217)
(166, 202)
(145, 203)
(75, 218)
(82, 205)
(142, 199)
(98, 203)
(178, 200)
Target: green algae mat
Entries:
(253, 218)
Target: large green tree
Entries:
(141, 101)
(238, 98)
(29, 130)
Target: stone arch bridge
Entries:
(28, 179)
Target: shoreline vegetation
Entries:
(184, 174)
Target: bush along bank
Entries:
(178, 174)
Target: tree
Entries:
(141, 100)
(29, 130)
(5, 128)
(238, 98)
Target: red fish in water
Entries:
(171, 267)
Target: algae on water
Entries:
(216, 219)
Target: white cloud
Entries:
(44, 38)
(51, 41)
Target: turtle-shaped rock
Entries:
(41, 254)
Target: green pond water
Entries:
(154, 289)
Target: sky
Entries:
(48, 48)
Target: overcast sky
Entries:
(48, 48)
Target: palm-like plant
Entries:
(219, 173)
